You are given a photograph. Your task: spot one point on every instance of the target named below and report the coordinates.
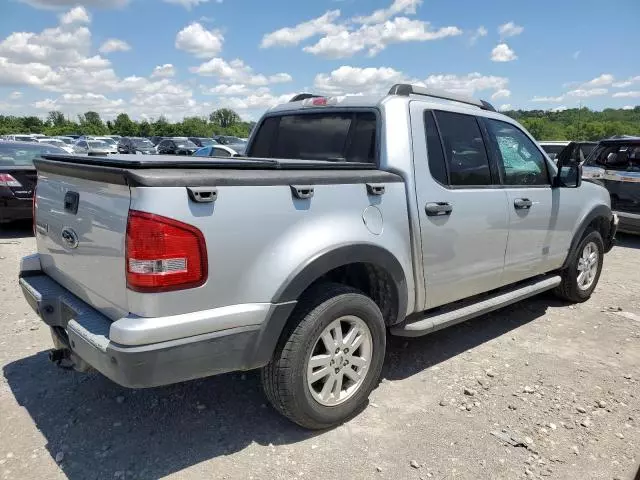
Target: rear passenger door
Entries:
(462, 208)
(536, 240)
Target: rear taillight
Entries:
(163, 254)
(7, 180)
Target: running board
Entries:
(442, 319)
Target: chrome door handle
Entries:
(434, 209)
(522, 204)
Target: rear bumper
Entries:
(88, 334)
(15, 209)
(629, 222)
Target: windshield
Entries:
(24, 138)
(185, 144)
(109, 141)
(616, 156)
(11, 154)
(142, 143)
(207, 141)
(52, 141)
(68, 141)
(97, 144)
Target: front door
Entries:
(537, 240)
(463, 212)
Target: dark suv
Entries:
(615, 163)
(136, 145)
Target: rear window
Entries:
(344, 136)
(19, 155)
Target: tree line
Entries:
(570, 124)
(579, 123)
(223, 121)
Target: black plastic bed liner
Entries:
(171, 171)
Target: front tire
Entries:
(329, 359)
(581, 276)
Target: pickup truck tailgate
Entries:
(80, 233)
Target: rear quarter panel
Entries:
(257, 236)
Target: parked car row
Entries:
(111, 144)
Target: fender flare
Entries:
(598, 211)
(285, 298)
(335, 257)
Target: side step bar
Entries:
(442, 319)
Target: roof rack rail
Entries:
(407, 89)
(303, 96)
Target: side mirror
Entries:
(569, 170)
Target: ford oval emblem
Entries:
(69, 237)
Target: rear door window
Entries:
(464, 149)
(337, 136)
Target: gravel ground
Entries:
(537, 390)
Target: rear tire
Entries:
(581, 276)
(336, 316)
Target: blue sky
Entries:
(188, 57)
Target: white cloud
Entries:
(475, 36)
(466, 84)
(164, 71)
(15, 95)
(504, 107)
(75, 15)
(56, 4)
(114, 45)
(502, 53)
(347, 79)
(548, 99)
(83, 100)
(199, 41)
(601, 81)
(291, 36)
(588, 92)
(188, 4)
(627, 83)
(356, 80)
(54, 46)
(502, 93)
(576, 54)
(255, 102)
(628, 107)
(375, 38)
(236, 71)
(224, 89)
(510, 29)
(630, 94)
(407, 7)
(560, 108)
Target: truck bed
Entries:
(255, 220)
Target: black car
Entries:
(156, 139)
(136, 145)
(176, 146)
(615, 163)
(18, 177)
(203, 141)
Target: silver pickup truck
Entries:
(349, 216)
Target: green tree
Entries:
(124, 126)
(56, 119)
(224, 117)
